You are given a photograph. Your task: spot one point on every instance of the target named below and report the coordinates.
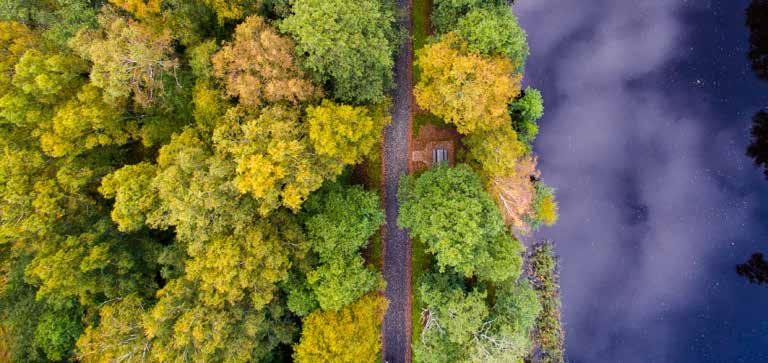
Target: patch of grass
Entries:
(421, 28)
(374, 251)
(420, 262)
(423, 118)
(368, 172)
(373, 177)
(421, 23)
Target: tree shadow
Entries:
(756, 268)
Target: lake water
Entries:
(648, 108)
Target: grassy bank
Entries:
(420, 264)
(419, 256)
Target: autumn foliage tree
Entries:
(276, 162)
(467, 90)
(129, 59)
(258, 66)
(343, 132)
(139, 8)
(496, 151)
(119, 335)
(176, 183)
(86, 122)
(514, 194)
(231, 9)
(545, 208)
(349, 335)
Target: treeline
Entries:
(755, 269)
(478, 303)
(173, 178)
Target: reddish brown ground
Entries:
(432, 137)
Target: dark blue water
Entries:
(648, 108)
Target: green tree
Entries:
(339, 221)
(447, 13)
(56, 333)
(543, 273)
(58, 20)
(453, 313)
(19, 310)
(506, 335)
(340, 281)
(190, 21)
(48, 76)
(348, 45)
(461, 323)
(525, 112)
(449, 211)
(493, 31)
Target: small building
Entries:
(439, 156)
(432, 145)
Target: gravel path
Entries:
(396, 335)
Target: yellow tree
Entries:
(139, 8)
(468, 90)
(350, 335)
(258, 66)
(276, 163)
(497, 150)
(85, 122)
(345, 132)
(231, 268)
(231, 9)
(15, 40)
(119, 335)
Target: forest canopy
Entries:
(199, 180)
(174, 177)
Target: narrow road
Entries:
(396, 335)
